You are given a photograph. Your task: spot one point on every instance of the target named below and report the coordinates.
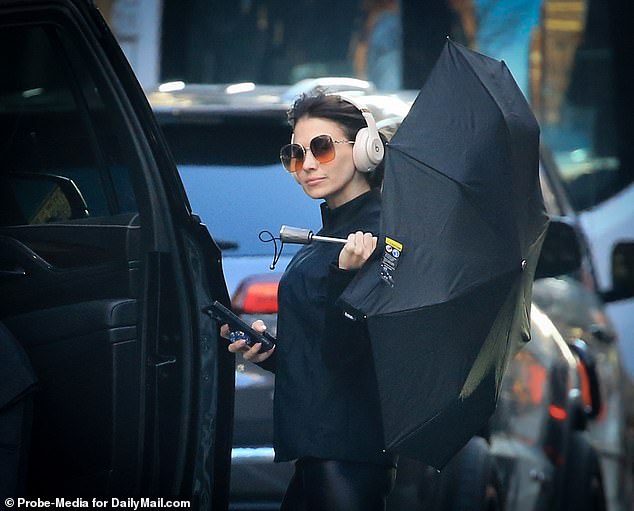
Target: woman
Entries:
(327, 414)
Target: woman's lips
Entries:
(314, 181)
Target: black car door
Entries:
(104, 274)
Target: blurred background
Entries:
(570, 57)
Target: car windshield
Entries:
(236, 183)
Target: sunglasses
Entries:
(322, 148)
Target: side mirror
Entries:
(43, 198)
(622, 272)
(589, 379)
(561, 252)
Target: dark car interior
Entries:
(69, 263)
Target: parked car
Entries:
(540, 422)
(114, 382)
(519, 462)
(574, 303)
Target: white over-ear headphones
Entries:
(368, 149)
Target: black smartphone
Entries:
(239, 328)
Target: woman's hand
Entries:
(251, 354)
(357, 250)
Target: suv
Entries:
(115, 383)
(525, 446)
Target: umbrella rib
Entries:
(477, 76)
(401, 438)
(484, 86)
(463, 292)
(404, 153)
(459, 184)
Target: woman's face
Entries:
(336, 181)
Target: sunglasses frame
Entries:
(304, 150)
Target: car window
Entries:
(61, 156)
(236, 183)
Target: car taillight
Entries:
(584, 381)
(557, 412)
(257, 295)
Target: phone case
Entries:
(240, 328)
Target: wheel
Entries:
(470, 481)
(583, 483)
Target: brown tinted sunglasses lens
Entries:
(323, 148)
(292, 155)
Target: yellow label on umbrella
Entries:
(393, 243)
(389, 262)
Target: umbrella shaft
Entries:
(328, 239)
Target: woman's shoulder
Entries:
(372, 212)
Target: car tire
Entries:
(470, 481)
(583, 482)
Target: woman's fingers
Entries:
(359, 246)
(251, 353)
(364, 243)
(238, 346)
(254, 355)
(258, 325)
(369, 244)
(357, 250)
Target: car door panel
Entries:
(72, 263)
(107, 300)
(81, 354)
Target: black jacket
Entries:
(326, 399)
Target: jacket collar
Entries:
(338, 217)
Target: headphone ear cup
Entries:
(367, 152)
(359, 152)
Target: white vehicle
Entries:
(571, 61)
(609, 226)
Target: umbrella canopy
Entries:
(447, 295)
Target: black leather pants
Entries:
(329, 485)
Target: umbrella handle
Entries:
(302, 236)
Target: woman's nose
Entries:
(310, 163)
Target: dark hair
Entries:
(334, 108)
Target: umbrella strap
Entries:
(267, 237)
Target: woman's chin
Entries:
(314, 194)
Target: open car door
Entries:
(119, 384)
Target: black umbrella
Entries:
(447, 297)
